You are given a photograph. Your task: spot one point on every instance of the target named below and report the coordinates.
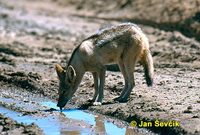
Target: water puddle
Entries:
(97, 122)
(69, 121)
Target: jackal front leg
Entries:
(99, 98)
(96, 85)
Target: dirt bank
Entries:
(8, 127)
(183, 16)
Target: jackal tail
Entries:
(147, 63)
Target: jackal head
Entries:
(66, 84)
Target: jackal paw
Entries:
(117, 98)
(97, 103)
(120, 100)
(123, 100)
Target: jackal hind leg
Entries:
(129, 65)
(101, 75)
(130, 84)
(123, 70)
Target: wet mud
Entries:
(9, 126)
(35, 35)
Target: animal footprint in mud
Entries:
(97, 103)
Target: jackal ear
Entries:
(60, 71)
(71, 73)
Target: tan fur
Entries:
(124, 45)
(59, 69)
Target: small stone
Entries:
(195, 116)
(190, 86)
(187, 111)
(189, 107)
(8, 121)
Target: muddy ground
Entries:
(8, 126)
(35, 35)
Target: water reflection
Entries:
(99, 125)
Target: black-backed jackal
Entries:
(124, 44)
